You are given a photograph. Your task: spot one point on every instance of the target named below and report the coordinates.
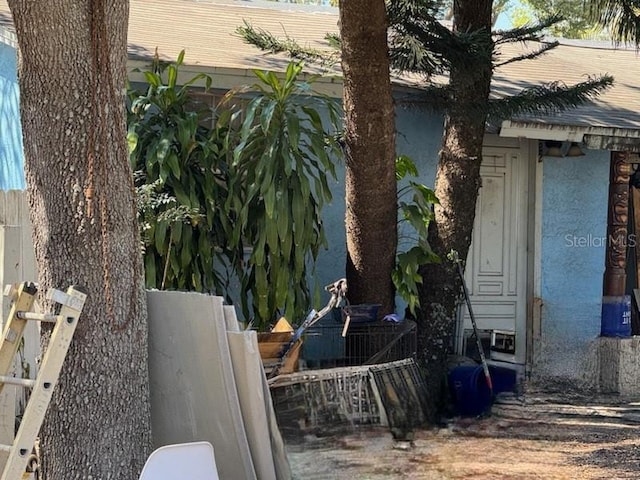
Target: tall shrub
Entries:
(182, 164)
(281, 164)
(241, 199)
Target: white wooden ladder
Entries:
(23, 297)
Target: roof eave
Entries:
(597, 138)
(227, 78)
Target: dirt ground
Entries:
(531, 437)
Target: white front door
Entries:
(496, 271)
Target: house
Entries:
(11, 174)
(543, 255)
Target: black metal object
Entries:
(365, 343)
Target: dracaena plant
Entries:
(240, 199)
(179, 166)
(282, 164)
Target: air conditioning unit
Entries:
(503, 345)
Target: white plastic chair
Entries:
(193, 461)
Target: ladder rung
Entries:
(40, 317)
(23, 382)
(22, 309)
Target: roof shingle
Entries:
(206, 31)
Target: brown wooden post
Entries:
(615, 276)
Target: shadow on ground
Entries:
(525, 437)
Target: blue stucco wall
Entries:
(11, 168)
(574, 222)
(419, 135)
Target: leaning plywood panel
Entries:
(280, 461)
(252, 402)
(230, 318)
(193, 392)
(270, 464)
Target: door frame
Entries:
(530, 326)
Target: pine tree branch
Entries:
(334, 41)
(549, 98)
(553, 97)
(475, 46)
(529, 56)
(407, 53)
(401, 11)
(414, 35)
(420, 43)
(267, 42)
(426, 46)
(527, 32)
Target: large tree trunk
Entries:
(371, 204)
(72, 77)
(457, 184)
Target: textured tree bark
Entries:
(456, 186)
(72, 74)
(371, 203)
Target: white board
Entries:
(193, 391)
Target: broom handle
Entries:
(483, 359)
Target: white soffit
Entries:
(597, 138)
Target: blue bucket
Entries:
(616, 316)
(469, 390)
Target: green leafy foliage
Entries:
(552, 97)
(283, 158)
(415, 204)
(575, 21)
(181, 182)
(417, 37)
(327, 58)
(621, 18)
(617, 20)
(238, 200)
(420, 44)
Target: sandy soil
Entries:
(537, 437)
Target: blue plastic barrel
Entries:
(469, 390)
(503, 379)
(616, 316)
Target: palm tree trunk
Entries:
(371, 204)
